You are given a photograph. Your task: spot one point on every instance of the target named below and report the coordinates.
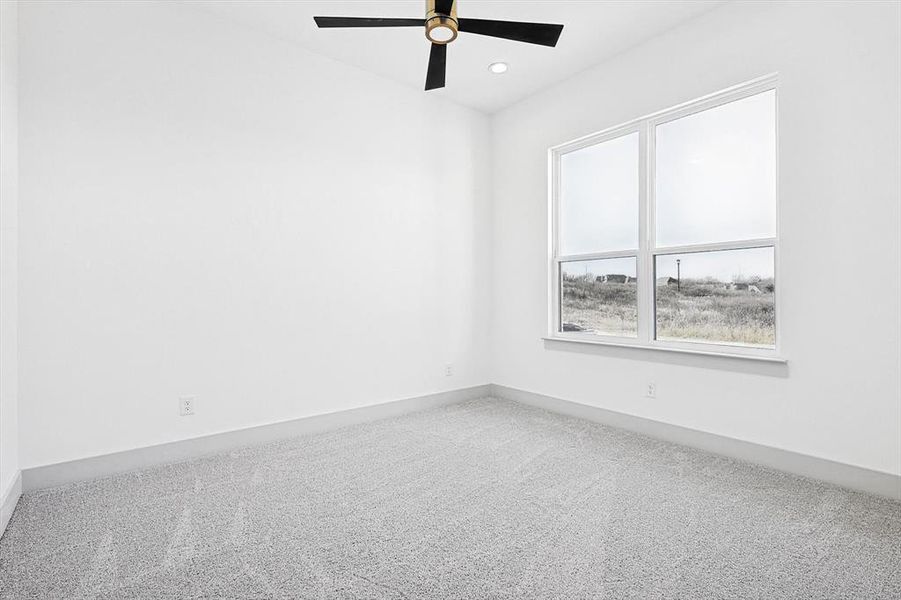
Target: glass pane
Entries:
(716, 174)
(599, 296)
(599, 197)
(724, 297)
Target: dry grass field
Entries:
(609, 308)
(705, 311)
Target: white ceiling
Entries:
(594, 31)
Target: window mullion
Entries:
(644, 275)
(717, 246)
(646, 235)
(599, 255)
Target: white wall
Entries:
(839, 121)
(9, 426)
(209, 211)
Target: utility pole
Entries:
(679, 274)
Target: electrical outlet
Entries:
(448, 370)
(186, 405)
(651, 391)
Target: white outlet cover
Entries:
(187, 405)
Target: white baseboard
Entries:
(8, 501)
(129, 460)
(848, 476)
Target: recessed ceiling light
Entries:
(498, 67)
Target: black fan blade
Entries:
(443, 7)
(437, 67)
(545, 34)
(366, 22)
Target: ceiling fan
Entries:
(441, 27)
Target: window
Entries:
(664, 230)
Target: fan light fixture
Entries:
(441, 28)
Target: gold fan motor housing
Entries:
(434, 19)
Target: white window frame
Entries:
(648, 249)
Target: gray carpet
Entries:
(486, 499)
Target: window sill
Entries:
(699, 352)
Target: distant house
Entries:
(748, 287)
(667, 281)
(614, 278)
